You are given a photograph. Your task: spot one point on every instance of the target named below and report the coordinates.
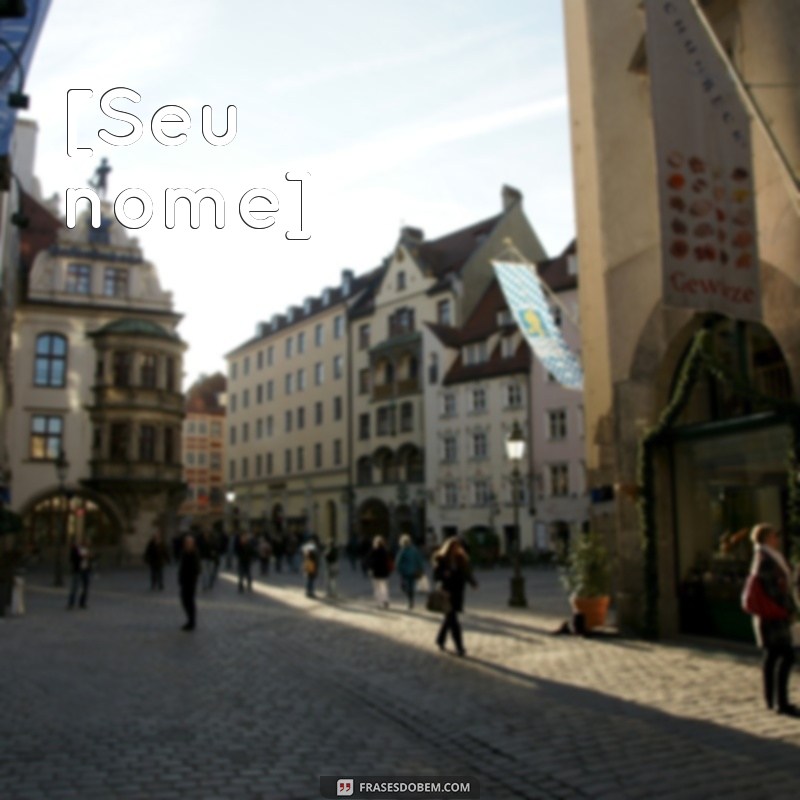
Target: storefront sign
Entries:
(705, 183)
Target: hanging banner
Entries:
(18, 37)
(704, 167)
(530, 309)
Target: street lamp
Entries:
(62, 468)
(515, 450)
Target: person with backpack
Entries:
(768, 597)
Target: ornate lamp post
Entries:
(62, 468)
(515, 450)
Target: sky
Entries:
(412, 113)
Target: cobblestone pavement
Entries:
(275, 689)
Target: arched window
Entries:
(50, 367)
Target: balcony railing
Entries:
(136, 471)
(138, 397)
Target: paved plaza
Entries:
(275, 689)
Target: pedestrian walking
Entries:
(410, 567)
(188, 574)
(310, 567)
(453, 570)
(156, 556)
(379, 566)
(80, 558)
(244, 560)
(773, 630)
(332, 565)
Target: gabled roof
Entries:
(203, 395)
(450, 252)
(555, 271)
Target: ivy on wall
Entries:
(701, 360)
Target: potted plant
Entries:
(588, 578)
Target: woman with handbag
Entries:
(452, 569)
(410, 567)
(772, 625)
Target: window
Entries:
(475, 353)
(269, 426)
(232, 435)
(233, 370)
(363, 381)
(50, 366)
(148, 371)
(301, 418)
(289, 347)
(386, 421)
(557, 424)
(363, 426)
(119, 441)
(443, 312)
(269, 463)
(169, 368)
(513, 395)
(449, 448)
(259, 428)
(259, 394)
(233, 402)
(319, 373)
(246, 366)
(79, 279)
(508, 346)
(481, 492)
(246, 398)
(401, 281)
(301, 342)
(318, 412)
(270, 355)
(245, 431)
(480, 445)
(287, 421)
(245, 468)
(504, 318)
(215, 461)
(337, 408)
(450, 495)
(337, 452)
(559, 480)
(169, 446)
(364, 471)
(300, 459)
(122, 363)
(260, 359)
(407, 417)
(216, 429)
(363, 336)
(338, 367)
(448, 405)
(115, 282)
(433, 369)
(259, 465)
(301, 380)
(318, 335)
(147, 443)
(479, 400)
(338, 326)
(46, 436)
(402, 321)
(287, 461)
(270, 389)
(190, 459)
(232, 470)
(289, 381)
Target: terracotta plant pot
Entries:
(594, 610)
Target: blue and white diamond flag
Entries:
(531, 311)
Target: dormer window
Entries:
(504, 318)
(326, 297)
(401, 281)
(475, 353)
(115, 282)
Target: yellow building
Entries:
(690, 413)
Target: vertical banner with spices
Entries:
(705, 182)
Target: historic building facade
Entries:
(94, 426)
(204, 453)
(690, 414)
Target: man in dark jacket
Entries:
(188, 574)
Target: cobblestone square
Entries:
(275, 689)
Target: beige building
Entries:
(398, 477)
(689, 482)
(288, 429)
(96, 386)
